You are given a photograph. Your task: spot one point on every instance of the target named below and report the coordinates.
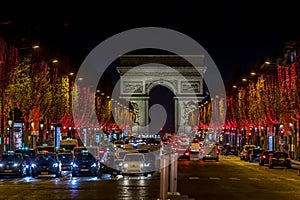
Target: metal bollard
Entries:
(164, 174)
(173, 175)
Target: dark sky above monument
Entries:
(237, 35)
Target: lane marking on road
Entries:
(254, 179)
(214, 178)
(234, 179)
(273, 179)
(291, 179)
(194, 178)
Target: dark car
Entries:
(46, 164)
(109, 164)
(255, 155)
(183, 153)
(85, 163)
(264, 157)
(66, 160)
(12, 164)
(244, 152)
(29, 156)
(281, 159)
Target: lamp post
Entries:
(41, 132)
(10, 123)
(70, 132)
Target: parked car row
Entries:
(263, 157)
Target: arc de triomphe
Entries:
(139, 74)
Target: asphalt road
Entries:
(230, 178)
(235, 179)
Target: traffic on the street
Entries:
(212, 173)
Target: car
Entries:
(281, 159)
(210, 152)
(134, 164)
(66, 160)
(264, 157)
(244, 152)
(29, 156)
(194, 150)
(254, 154)
(183, 153)
(228, 150)
(85, 164)
(12, 164)
(119, 144)
(93, 150)
(46, 164)
(109, 164)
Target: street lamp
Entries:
(41, 132)
(70, 132)
(10, 123)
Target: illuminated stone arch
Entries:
(139, 74)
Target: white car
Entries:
(134, 163)
(195, 151)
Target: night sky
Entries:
(236, 35)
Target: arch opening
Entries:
(162, 95)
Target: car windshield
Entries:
(278, 155)
(133, 158)
(84, 157)
(257, 151)
(46, 157)
(11, 158)
(65, 157)
(30, 153)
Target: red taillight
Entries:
(264, 156)
(186, 153)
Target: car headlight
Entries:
(94, 165)
(27, 166)
(141, 165)
(15, 165)
(146, 164)
(75, 165)
(125, 165)
(33, 165)
(55, 165)
(1, 164)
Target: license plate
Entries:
(43, 173)
(7, 170)
(84, 170)
(281, 159)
